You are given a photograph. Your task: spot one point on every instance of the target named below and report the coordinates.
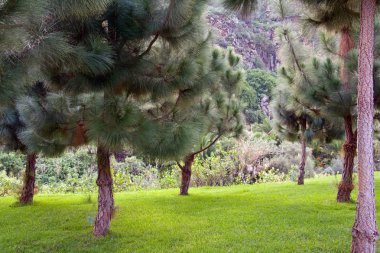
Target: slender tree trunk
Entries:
(345, 46)
(301, 167)
(349, 148)
(105, 197)
(364, 231)
(27, 192)
(186, 174)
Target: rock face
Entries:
(264, 106)
(253, 38)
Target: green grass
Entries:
(280, 217)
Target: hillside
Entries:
(251, 37)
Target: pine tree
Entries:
(20, 24)
(137, 63)
(217, 111)
(341, 14)
(10, 126)
(297, 121)
(341, 17)
(30, 44)
(293, 124)
(297, 110)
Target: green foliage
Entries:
(271, 176)
(259, 86)
(108, 66)
(263, 82)
(333, 15)
(12, 163)
(218, 169)
(8, 185)
(299, 104)
(66, 168)
(244, 6)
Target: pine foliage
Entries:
(333, 15)
(295, 106)
(126, 73)
(243, 6)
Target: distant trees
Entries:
(341, 17)
(295, 116)
(256, 95)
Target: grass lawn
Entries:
(277, 217)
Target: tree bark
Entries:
(345, 46)
(301, 167)
(105, 196)
(27, 192)
(349, 148)
(186, 175)
(364, 231)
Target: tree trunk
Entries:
(345, 46)
(27, 192)
(105, 197)
(349, 148)
(301, 167)
(186, 174)
(364, 231)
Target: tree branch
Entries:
(208, 146)
(150, 45)
(179, 165)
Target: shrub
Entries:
(70, 165)
(8, 185)
(271, 175)
(12, 163)
(170, 178)
(219, 169)
(289, 156)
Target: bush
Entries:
(288, 157)
(8, 185)
(170, 179)
(219, 169)
(256, 158)
(81, 163)
(271, 175)
(12, 163)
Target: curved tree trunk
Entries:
(349, 148)
(301, 167)
(105, 197)
(186, 175)
(364, 231)
(27, 192)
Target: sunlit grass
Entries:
(278, 217)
